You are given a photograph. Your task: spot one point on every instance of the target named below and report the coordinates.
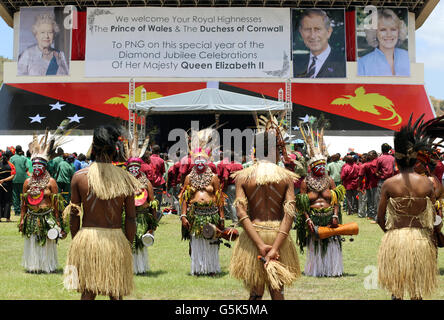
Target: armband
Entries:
(242, 219)
(243, 202)
(290, 208)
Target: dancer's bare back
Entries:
(265, 202)
(96, 212)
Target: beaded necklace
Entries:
(317, 184)
(200, 181)
(143, 180)
(36, 184)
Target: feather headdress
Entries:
(272, 122)
(45, 147)
(204, 142)
(419, 137)
(313, 134)
(133, 153)
(277, 124)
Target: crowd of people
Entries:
(122, 189)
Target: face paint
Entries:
(134, 170)
(319, 170)
(38, 169)
(200, 163)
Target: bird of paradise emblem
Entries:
(369, 102)
(124, 98)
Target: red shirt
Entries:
(184, 167)
(230, 168)
(349, 176)
(158, 166)
(370, 174)
(220, 169)
(147, 169)
(439, 170)
(385, 165)
(361, 175)
(173, 175)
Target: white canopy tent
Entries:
(209, 99)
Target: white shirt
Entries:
(320, 59)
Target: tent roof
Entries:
(209, 99)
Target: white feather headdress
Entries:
(313, 134)
(132, 150)
(45, 147)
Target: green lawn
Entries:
(170, 277)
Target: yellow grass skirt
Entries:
(407, 262)
(245, 265)
(102, 262)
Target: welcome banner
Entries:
(188, 42)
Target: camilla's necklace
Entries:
(317, 184)
(36, 184)
(200, 181)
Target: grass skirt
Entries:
(38, 258)
(140, 260)
(204, 256)
(328, 264)
(245, 265)
(407, 262)
(103, 262)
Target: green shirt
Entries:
(29, 164)
(53, 165)
(21, 166)
(65, 172)
(334, 170)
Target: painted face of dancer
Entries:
(200, 163)
(38, 169)
(319, 170)
(134, 170)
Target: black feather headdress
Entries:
(420, 136)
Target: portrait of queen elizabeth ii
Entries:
(40, 54)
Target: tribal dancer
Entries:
(265, 208)
(202, 202)
(41, 213)
(407, 257)
(318, 204)
(146, 205)
(99, 259)
(424, 166)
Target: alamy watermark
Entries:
(371, 281)
(234, 143)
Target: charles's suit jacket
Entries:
(333, 67)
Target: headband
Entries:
(134, 162)
(318, 162)
(39, 160)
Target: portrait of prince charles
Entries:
(318, 44)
